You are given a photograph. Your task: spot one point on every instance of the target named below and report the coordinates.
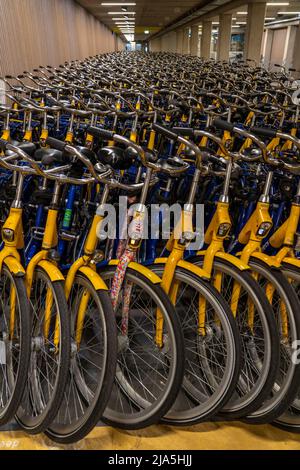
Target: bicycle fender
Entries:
(233, 260)
(94, 278)
(53, 272)
(187, 266)
(14, 266)
(193, 269)
(154, 278)
(292, 261)
(268, 260)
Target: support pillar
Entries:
(179, 41)
(155, 45)
(224, 41)
(255, 30)
(194, 40)
(186, 41)
(206, 39)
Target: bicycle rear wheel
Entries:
(148, 376)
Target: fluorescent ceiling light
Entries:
(270, 18)
(146, 31)
(121, 13)
(242, 13)
(281, 4)
(241, 22)
(236, 26)
(215, 22)
(118, 4)
(288, 13)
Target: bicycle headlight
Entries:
(8, 235)
(224, 229)
(264, 229)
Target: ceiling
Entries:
(151, 15)
(274, 12)
(154, 16)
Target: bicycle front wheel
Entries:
(212, 349)
(50, 354)
(149, 375)
(14, 343)
(290, 419)
(93, 363)
(286, 309)
(258, 332)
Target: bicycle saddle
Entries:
(172, 163)
(151, 155)
(116, 158)
(49, 156)
(28, 147)
(86, 152)
(252, 152)
(40, 196)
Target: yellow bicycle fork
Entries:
(12, 236)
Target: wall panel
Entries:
(49, 32)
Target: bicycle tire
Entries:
(40, 402)
(275, 406)
(290, 420)
(188, 409)
(252, 399)
(64, 432)
(136, 411)
(9, 407)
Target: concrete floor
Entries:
(210, 436)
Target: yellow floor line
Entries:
(210, 436)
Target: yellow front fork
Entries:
(166, 284)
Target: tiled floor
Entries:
(208, 436)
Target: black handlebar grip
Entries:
(103, 133)
(165, 131)
(185, 131)
(56, 144)
(3, 144)
(263, 132)
(224, 125)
